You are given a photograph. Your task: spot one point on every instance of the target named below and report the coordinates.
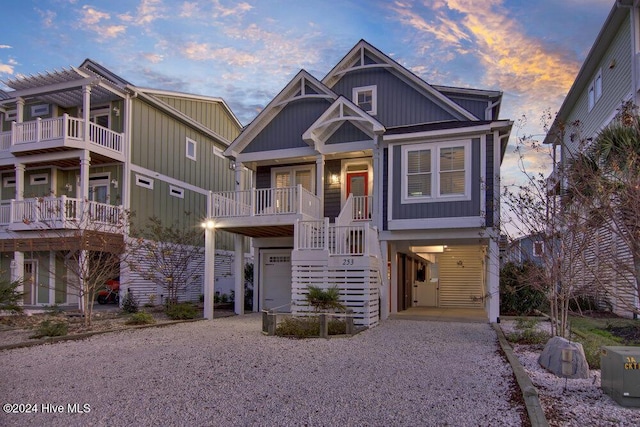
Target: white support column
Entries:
(209, 266)
(19, 181)
(85, 162)
(17, 270)
(384, 272)
(86, 110)
(238, 260)
(126, 166)
(19, 110)
(320, 181)
(393, 297)
(239, 177)
(376, 207)
(493, 281)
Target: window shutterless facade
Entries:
(366, 98)
(435, 172)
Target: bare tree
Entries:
(535, 208)
(165, 255)
(88, 241)
(604, 184)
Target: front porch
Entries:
(61, 133)
(48, 213)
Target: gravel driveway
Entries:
(225, 372)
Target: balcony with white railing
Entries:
(47, 213)
(62, 132)
(337, 240)
(263, 207)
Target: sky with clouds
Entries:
(247, 51)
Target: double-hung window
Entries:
(436, 172)
(366, 97)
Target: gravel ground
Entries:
(571, 403)
(225, 372)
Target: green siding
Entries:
(616, 87)
(211, 114)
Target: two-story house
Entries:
(374, 181)
(84, 140)
(609, 77)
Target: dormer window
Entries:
(366, 98)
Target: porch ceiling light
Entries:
(209, 225)
(438, 249)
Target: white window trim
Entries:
(374, 97)
(435, 172)
(39, 179)
(40, 110)
(144, 182)
(292, 169)
(218, 152)
(593, 87)
(541, 252)
(8, 182)
(176, 191)
(195, 149)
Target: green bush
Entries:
(182, 311)
(299, 327)
(529, 337)
(140, 318)
(129, 303)
(9, 295)
(517, 296)
(49, 328)
(324, 299)
(307, 327)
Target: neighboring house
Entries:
(525, 249)
(85, 139)
(374, 181)
(609, 77)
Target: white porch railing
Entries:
(60, 128)
(356, 208)
(339, 240)
(44, 212)
(5, 213)
(268, 201)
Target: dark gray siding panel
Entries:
(347, 133)
(474, 106)
(398, 103)
(490, 181)
(263, 177)
(286, 129)
(331, 191)
(437, 209)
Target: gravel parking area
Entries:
(225, 372)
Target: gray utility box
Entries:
(620, 374)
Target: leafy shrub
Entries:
(129, 303)
(324, 299)
(9, 295)
(517, 296)
(48, 328)
(529, 337)
(306, 327)
(182, 311)
(140, 318)
(299, 327)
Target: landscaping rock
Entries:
(551, 359)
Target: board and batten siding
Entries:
(443, 209)
(461, 276)
(492, 203)
(476, 107)
(159, 144)
(288, 126)
(398, 104)
(211, 114)
(332, 192)
(616, 87)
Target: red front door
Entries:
(358, 185)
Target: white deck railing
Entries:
(5, 213)
(356, 208)
(340, 240)
(267, 201)
(60, 128)
(46, 211)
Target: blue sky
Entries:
(247, 51)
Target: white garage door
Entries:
(276, 279)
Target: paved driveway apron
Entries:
(225, 372)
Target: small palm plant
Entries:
(324, 299)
